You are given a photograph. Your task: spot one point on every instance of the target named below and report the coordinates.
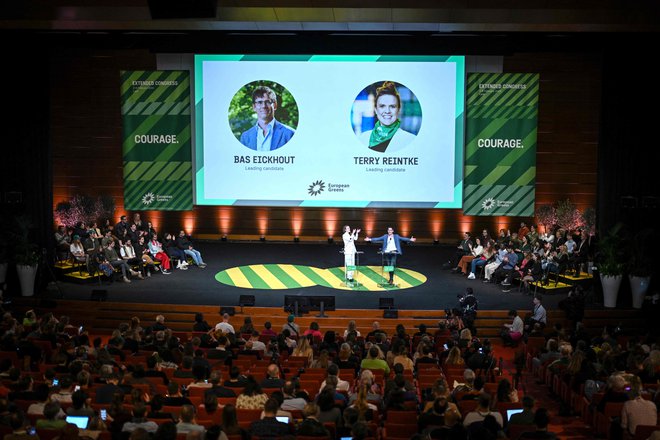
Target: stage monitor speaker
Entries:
(385, 303)
(231, 311)
(99, 295)
(246, 301)
(174, 9)
(391, 314)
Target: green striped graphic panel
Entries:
(290, 276)
(500, 148)
(155, 108)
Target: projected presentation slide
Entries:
(329, 131)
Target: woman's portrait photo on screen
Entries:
(386, 116)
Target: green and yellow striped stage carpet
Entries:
(290, 276)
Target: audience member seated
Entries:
(526, 417)
(483, 410)
(310, 426)
(139, 420)
(251, 397)
(52, 411)
(184, 243)
(187, 421)
(372, 362)
(541, 420)
(269, 426)
(230, 424)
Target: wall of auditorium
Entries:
(87, 153)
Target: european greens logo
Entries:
(148, 198)
(488, 204)
(316, 188)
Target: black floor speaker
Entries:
(392, 314)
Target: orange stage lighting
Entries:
(404, 223)
(330, 216)
(262, 221)
(503, 222)
(189, 225)
(465, 222)
(369, 223)
(225, 215)
(435, 224)
(296, 222)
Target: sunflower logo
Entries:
(316, 188)
(488, 204)
(148, 198)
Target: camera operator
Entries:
(469, 305)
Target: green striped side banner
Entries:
(155, 108)
(500, 152)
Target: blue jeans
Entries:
(195, 255)
(477, 262)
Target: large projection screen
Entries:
(329, 131)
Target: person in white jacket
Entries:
(349, 238)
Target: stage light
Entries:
(262, 238)
(296, 239)
(331, 240)
(436, 242)
(224, 238)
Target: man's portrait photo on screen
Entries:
(263, 115)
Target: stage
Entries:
(422, 283)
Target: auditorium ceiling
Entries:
(334, 16)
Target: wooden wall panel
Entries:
(86, 136)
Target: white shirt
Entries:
(265, 140)
(349, 243)
(517, 325)
(391, 245)
(127, 251)
(225, 327)
(539, 314)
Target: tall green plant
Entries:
(612, 252)
(25, 251)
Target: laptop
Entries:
(80, 421)
(510, 412)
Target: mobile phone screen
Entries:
(56, 382)
(104, 414)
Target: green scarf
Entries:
(382, 133)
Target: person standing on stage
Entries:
(391, 247)
(349, 250)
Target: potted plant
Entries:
(640, 266)
(611, 264)
(26, 255)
